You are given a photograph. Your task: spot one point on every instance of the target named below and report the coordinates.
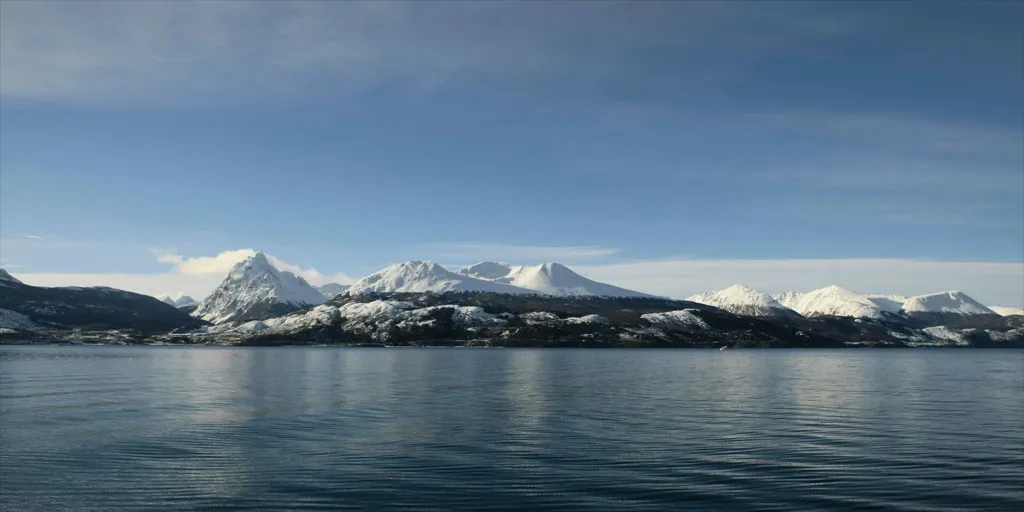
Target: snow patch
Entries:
(14, 320)
(426, 276)
(588, 319)
(946, 334)
(539, 317)
(683, 318)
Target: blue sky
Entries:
(344, 136)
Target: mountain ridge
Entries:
(426, 276)
(743, 300)
(549, 278)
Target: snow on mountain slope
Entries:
(254, 289)
(742, 300)
(489, 270)
(376, 319)
(6, 277)
(426, 276)
(329, 290)
(177, 300)
(888, 303)
(956, 302)
(830, 301)
(787, 299)
(14, 320)
(673, 320)
(548, 278)
(1007, 310)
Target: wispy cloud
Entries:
(221, 263)
(116, 51)
(196, 276)
(6, 263)
(992, 283)
(33, 237)
(522, 253)
(879, 151)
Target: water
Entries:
(156, 428)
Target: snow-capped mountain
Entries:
(1007, 310)
(6, 277)
(743, 300)
(955, 302)
(888, 303)
(489, 270)
(255, 290)
(177, 300)
(831, 301)
(329, 290)
(548, 278)
(426, 276)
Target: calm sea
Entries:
(159, 428)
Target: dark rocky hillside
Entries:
(96, 308)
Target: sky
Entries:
(671, 147)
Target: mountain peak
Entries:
(831, 300)
(257, 260)
(177, 300)
(740, 288)
(741, 299)
(953, 301)
(548, 278)
(833, 289)
(253, 289)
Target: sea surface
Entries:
(173, 428)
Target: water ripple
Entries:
(145, 428)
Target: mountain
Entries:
(97, 308)
(426, 276)
(6, 277)
(511, 320)
(548, 278)
(177, 300)
(17, 321)
(1007, 310)
(488, 270)
(743, 300)
(952, 302)
(255, 290)
(329, 290)
(831, 301)
(888, 303)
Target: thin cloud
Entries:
(523, 253)
(194, 276)
(33, 237)
(221, 264)
(117, 52)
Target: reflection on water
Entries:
(156, 428)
